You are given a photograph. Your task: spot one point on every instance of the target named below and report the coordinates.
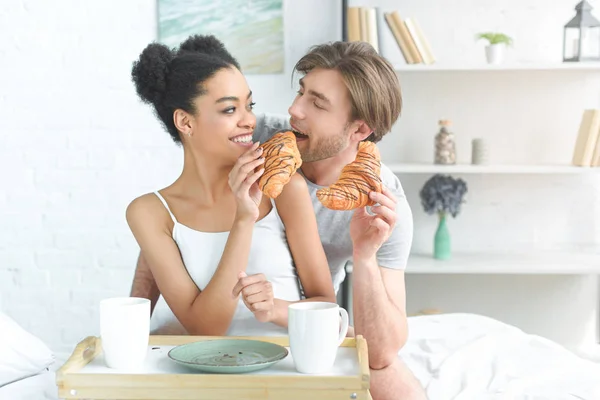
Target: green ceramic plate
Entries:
(228, 356)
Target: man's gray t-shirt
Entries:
(334, 226)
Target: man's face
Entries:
(320, 115)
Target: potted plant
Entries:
(443, 195)
(497, 42)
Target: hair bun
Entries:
(203, 44)
(149, 73)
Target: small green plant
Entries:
(495, 38)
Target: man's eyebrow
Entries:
(232, 98)
(319, 96)
(315, 93)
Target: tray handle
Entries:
(84, 352)
(363, 361)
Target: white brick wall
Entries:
(76, 145)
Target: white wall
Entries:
(76, 145)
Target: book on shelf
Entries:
(372, 36)
(587, 145)
(353, 24)
(596, 156)
(402, 38)
(410, 38)
(362, 12)
(420, 40)
(362, 25)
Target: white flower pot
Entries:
(494, 53)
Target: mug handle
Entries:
(344, 325)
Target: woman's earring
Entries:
(189, 134)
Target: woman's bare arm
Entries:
(210, 311)
(294, 205)
(207, 312)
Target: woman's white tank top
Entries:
(201, 253)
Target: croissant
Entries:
(356, 181)
(282, 159)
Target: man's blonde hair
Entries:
(371, 81)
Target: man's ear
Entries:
(361, 130)
(183, 122)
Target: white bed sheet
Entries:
(37, 387)
(471, 357)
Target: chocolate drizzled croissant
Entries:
(356, 181)
(282, 159)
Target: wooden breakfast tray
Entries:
(85, 376)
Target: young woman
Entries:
(227, 260)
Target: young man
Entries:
(348, 93)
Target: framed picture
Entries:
(252, 30)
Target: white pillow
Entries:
(21, 353)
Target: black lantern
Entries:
(582, 35)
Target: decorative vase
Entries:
(479, 152)
(494, 53)
(445, 146)
(441, 246)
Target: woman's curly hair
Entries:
(171, 79)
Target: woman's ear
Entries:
(183, 122)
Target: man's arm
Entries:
(144, 284)
(379, 310)
(379, 299)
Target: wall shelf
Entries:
(426, 168)
(547, 263)
(557, 66)
(487, 263)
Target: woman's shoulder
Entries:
(294, 196)
(148, 209)
(296, 186)
(145, 202)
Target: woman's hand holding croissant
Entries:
(243, 183)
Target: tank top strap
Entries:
(162, 199)
(275, 214)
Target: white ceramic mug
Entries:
(125, 331)
(315, 334)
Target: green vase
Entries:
(441, 245)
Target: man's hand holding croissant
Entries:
(369, 231)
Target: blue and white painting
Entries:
(252, 30)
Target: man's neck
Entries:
(326, 172)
